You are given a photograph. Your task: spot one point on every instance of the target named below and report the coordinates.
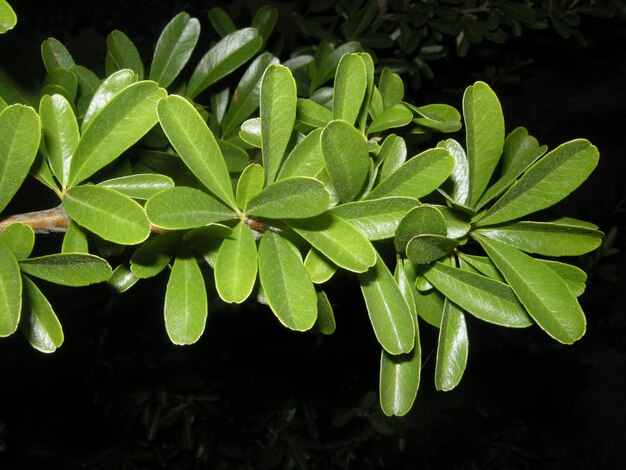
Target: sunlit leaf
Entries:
(68, 269)
(139, 186)
(391, 88)
(391, 118)
(236, 265)
(296, 198)
(392, 155)
(250, 184)
(319, 268)
(350, 87)
(305, 159)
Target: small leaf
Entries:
(39, 324)
(124, 53)
(122, 279)
(68, 269)
(250, 184)
(392, 155)
(107, 213)
(452, 348)
(186, 304)
(396, 116)
(174, 48)
(296, 198)
(286, 285)
(139, 186)
(389, 313)
(264, 21)
(418, 221)
(338, 240)
(391, 88)
(10, 291)
(75, 239)
(230, 53)
(460, 173)
(221, 21)
(105, 92)
(313, 114)
(18, 238)
(318, 267)
(55, 55)
(325, 317)
(350, 87)
(154, 255)
(183, 208)
(8, 18)
(236, 265)
(399, 380)
(438, 117)
(305, 159)
(543, 292)
(426, 248)
(250, 132)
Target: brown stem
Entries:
(45, 221)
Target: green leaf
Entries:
(460, 174)
(305, 159)
(60, 131)
(417, 177)
(221, 21)
(264, 21)
(278, 103)
(346, 157)
(369, 90)
(391, 88)
(174, 48)
(8, 18)
(338, 240)
(418, 221)
(19, 142)
(107, 213)
(543, 292)
(250, 132)
(62, 81)
(438, 117)
(295, 198)
(426, 248)
(122, 279)
(573, 276)
(110, 87)
(186, 304)
(313, 114)
(75, 239)
(557, 238)
(396, 116)
(230, 53)
(39, 324)
(350, 87)
(10, 291)
(154, 255)
(389, 313)
(183, 208)
(452, 348)
(318, 267)
(18, 238)
(124, 53)
(236, 265)
(126, 118)
(485, 298)
(376, 219)
(392, 155)
(250, 184)
(328, 64)
(286, 285)
(139, 186)
(68, 269)
(55, 55)
(548, 181)
(325, 316)
(484, 125)
(399, 380)
(236, 158)
(429, 306)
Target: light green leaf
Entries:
(236, 265)
(250, 184)
(236, 158)
(389, 313)
(126, 118)
(55, 55)
(346, 157)
(19, 142)
(396, 116)
(61, 81)
(221, 21)
(40, 170)
(485, 298)
(350, 87)
(286, 285)
(10, 291)
(482, 265)
(183, 208)
(376, 219)
(460, 174)
(174, 48)
(484, 125)
(417, 177)
(8, 18)
(452, 348)
(391, 88)
(573, 276)
(264, 21)
(18, 238)
(39, 324)
(68, 269)
(110, 87)
(430, 306)
(543, 292)
(338, 240)
(107, 213)
(328, 64)
(250, 132)
(313, 114)
(186, 304)
(325, 316)
(305, 159)
(139, 186)
(548, 181)
(154, 255)
(556, 238)
(392, 155)
(426, 248)
(295, 198)
(228, 54)
(75, 239)
(124, 53)
(60, 131)
(399, 380)
(196, 145)
(418, 221)
(437, 117)
(319, 268)
(278, 103)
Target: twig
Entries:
(45, 221)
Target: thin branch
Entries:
(45, 221)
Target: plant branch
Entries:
(44, 221)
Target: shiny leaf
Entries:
(124, 53)
(296, 198)
(110, 87)
(68, 269)
(18, 238)
(396, 116)
(452, 348)
(426, 248)
(460, 174)
(8, 18)
(39, 324)
(10, 291)
(250, 184)
(139, 186)
(418, 221)
(236, 265)
(350, 87)
(305, 159)
(319, 268)
(55, 55)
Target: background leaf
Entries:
(250, 184)
(154, 255)
(124, 53)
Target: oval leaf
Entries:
(452, 348)
(18, 238)
(154, 255)
(139, 186)
(296, 198)
(110, 87)
(306, 157)
(350, 87)
(8, 18)
(418, 221)
(250, 184)
(124, 53)
(68, 269)
(426, 248)
(325, 316)
(10, 292)
(396, 116)
(318, 267)
(39, 324)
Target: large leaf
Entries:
(39, 324)
(18, 238)
(183, 208)
(124, 53)
(417, 177)
(8, 18)
(107, 213)
(452, 348)
(139, 186)
(126, 118)
(286, 285)
(173, 49)
(68, 269)
(338, 240)
(236, 265)
(484, 125)
(548, 181)
(543, 292)
(305, 159)
(485, 298)
(228, 54)
(278, 103)
(345, 155)
(350, 87)
(10, 291)
(295, 198)
(105, 92)
(154, 255)
(19, 142)
(196, 145)
(389, 313)
(186, 304)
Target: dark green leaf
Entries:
(154, 255)
(325, 316)
(124, 53)
(452, 348)
(55, 55)
(122, 279)
(10, 291)
(236, 265)
(391, 88)
(75, 239)
(328, 64)
(418, 221)
(221, 21)
(39, 324)
(426, 248)
(264, 21)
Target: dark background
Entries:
(250, 394)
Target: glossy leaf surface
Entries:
(39, 324)
(306, 158)
(8, 18)
(460, 174)
(350, 87)
(250, 184)
(318, 267)
(68, 269)
(55, 55)
(391, 118)
(124, 53)
(139, 186)
(10, 291)
(418, 221)
(105, 92)
(452, 348)
(426, 248)
(236, 265)
(154, 255)
(18, 238)
(297, 197)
